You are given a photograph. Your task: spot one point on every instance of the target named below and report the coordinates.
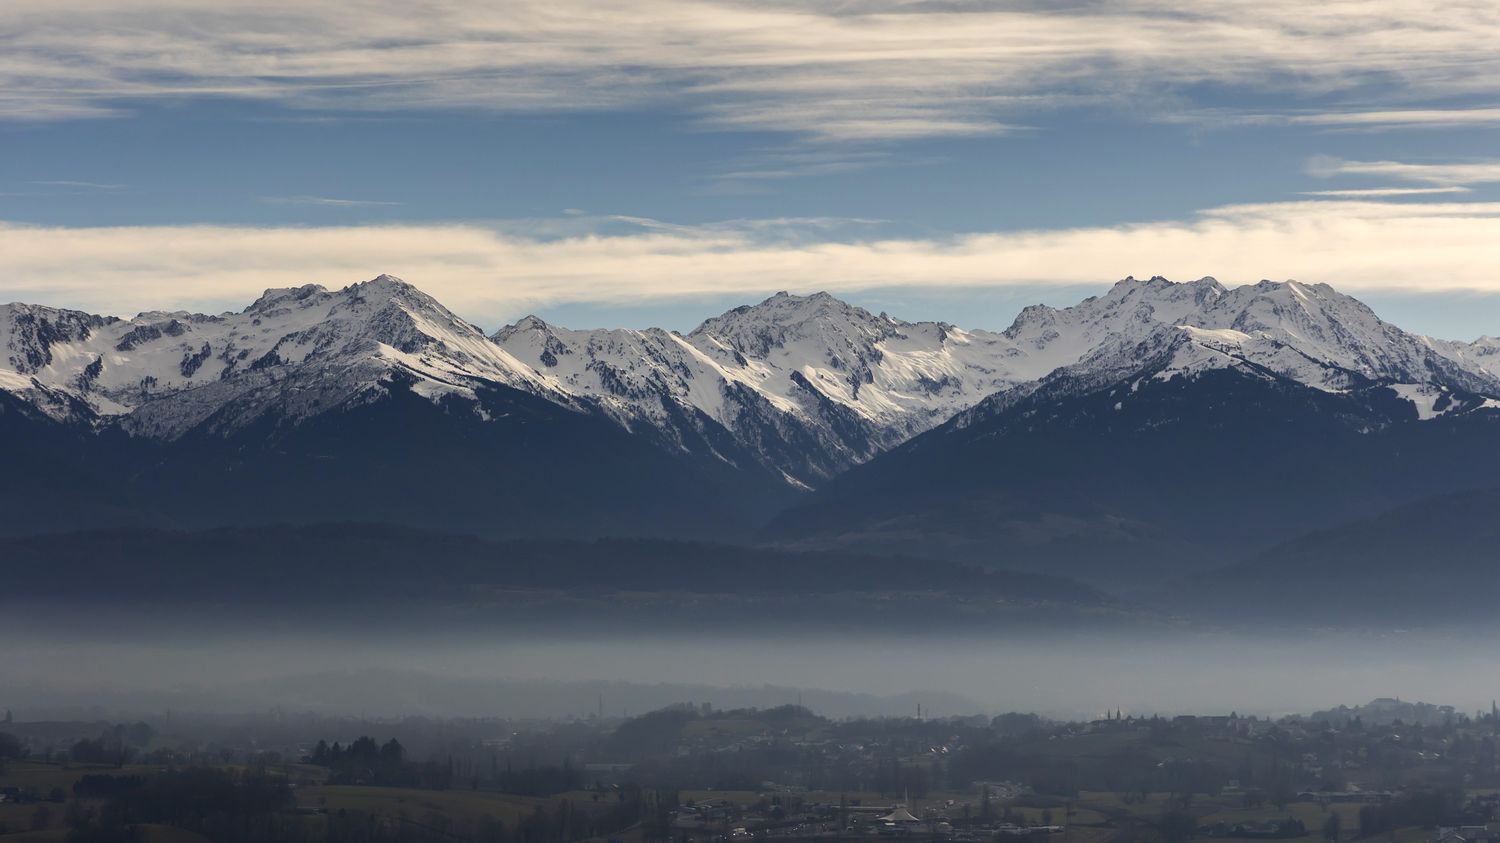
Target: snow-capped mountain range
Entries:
(1307, 334)
(293, 353)
(805, 385)
(809, 383)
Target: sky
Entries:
(652, 162)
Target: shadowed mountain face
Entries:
(1158, 428)
(354, 561)
(1427, 563)
(501, 463)
(1128, 481)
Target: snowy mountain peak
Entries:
(811, 384)
(536, 343)
(378, 291)
(1154, 301)
(391, 288)
(529, 326)
(1158, 292)
(788, 309)
(816, 330)
(530, 322)
(1308, 332)
(756, 329)
(164, 373)
(279, 297)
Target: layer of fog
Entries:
(67, 668)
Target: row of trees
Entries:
(370, 763)
(367, 762)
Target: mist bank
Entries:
(51, 672)
(389, 694)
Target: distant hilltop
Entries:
(1386, 710)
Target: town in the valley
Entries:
(1387, 770)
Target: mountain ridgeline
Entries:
(345, 573)
(1156, 430)
(1432, 560)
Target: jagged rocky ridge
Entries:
(808, 385)
(802, 386)
(814, 385)
(292, 354)
(369, 403)
(1154, 430)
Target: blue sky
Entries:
(654, 162)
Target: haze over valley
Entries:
(728, 421)
(787, 485)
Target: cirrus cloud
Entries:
(326, 202)
(1448, 175)
(882, 70)
(1383, 192)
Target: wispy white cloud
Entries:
(1383, 192)
(873, 71)
(325, 201)
(1450, 174)
(54, 188)
(86, 185)
(1420, 118)
(577, 225)
(490, 274)
(760, 171)
(776, 165)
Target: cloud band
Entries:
(490, 275)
